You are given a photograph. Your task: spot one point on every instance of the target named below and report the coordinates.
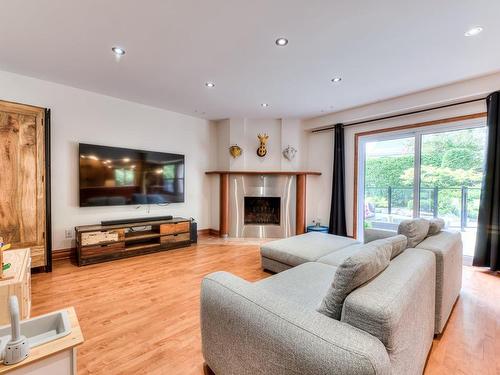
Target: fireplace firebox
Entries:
(262, 210)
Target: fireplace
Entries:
(262, 210)
(261, 206)
(288, 186)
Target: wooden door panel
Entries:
(27, 175)
(22, 166)
(18, 203)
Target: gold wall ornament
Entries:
(262, 150)
(235, 151)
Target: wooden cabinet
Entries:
(16, 281)
(175, 238)
(98, 243)
(174, 228)
(101, 249)
(24, 180)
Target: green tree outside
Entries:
(449, 162)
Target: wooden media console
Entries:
(101, 243)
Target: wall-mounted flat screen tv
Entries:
(111, 176)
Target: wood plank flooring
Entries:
(141, 315)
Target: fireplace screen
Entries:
(262, 210)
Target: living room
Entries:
(249, 187)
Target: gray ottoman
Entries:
(289, 252)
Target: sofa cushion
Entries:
(338, 257)
(398, 243)
(435, 226)
(365, 264)
(304, 248)
(373, 234)
(415, 230)
(305, 284)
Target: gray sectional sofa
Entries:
(274, 326)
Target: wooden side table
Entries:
(16, 281)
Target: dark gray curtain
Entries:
(487, 254)
(337, 210)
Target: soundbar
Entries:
(136, 220)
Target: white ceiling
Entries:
(382, 49)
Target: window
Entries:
(124, 177)
(172, 178)
(429, 172)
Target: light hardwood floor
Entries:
(141, 315)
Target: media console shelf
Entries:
(101, 243)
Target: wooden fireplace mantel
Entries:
(282, 173)
(300, 209)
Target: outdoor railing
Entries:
(460, 202)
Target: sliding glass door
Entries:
(388, 182)
(423, 173)
(450, 179)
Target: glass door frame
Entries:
(387, 134)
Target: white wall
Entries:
(292, 134)
(82, 116)
(272, 160)
(321, 144)
(319, 188)
(243, 132)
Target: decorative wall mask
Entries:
(262, 150)
(289, 153)
(235, 151)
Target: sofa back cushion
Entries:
(415, 230)
(435, 226)
(356, 270)
(398, 243)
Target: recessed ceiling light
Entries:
(210, 84)
(473, 31)
(118, 51)
(281, 42)
(265, 105)
(336, 79)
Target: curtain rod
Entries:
(331, 127)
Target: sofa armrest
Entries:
(377, 234)
(397, 307)
(448, 248)
(248, 330)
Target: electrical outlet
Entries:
(68, 234)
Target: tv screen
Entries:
(111, 176)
